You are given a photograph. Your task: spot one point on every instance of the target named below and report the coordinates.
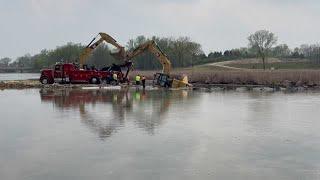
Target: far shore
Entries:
(211, 76)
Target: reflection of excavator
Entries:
(92, 45)
(147, 109)
(161, 79)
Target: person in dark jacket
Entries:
(143, 80)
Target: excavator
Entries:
(119, 54)
(93, 44)
(162, 79)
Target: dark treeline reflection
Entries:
(104, 112)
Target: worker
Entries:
(115, 77)
(138, 79)
(143, 80)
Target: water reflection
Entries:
(105, 112)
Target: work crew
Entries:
(143, 80)
(138, 79)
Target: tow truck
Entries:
(73, 73)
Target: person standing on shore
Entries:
(143, 82)
(138, 79)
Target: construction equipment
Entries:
(93, 44)
(71, 73)
(162, 79)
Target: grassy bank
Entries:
(285, 78)
(278, 65)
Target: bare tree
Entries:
(261, 42)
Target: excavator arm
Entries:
(155, 49)
(120, 54)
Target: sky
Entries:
(28, 26)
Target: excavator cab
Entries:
(162, 80)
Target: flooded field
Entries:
(99, 134)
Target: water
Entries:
(18, 76)
(158, 135)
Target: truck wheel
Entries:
(44, 80)
(95, 80)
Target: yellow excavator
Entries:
(120, 53)
(162, 79)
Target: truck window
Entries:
(57, 68)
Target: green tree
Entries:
(281, 51)
(181, 52)
(66, 53)
(101, 57)
(5, 61)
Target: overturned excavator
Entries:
(162, 79)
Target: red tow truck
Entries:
(71, 73)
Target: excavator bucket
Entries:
(179, 84)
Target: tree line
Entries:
(182, 52)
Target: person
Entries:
(143, 80)
(115, 77)
(138, 79)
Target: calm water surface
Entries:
(103, 134)
(18, 76)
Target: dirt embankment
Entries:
(20, 84)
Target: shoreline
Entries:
(35, 84)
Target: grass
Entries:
(246, 77)
(281, 77)
(278, 65)
(298, 73)
(203, 68)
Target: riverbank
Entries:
(286, 86)
(200, 79)
(308, 79)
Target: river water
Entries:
(100, 134)
(18, 76)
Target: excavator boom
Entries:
(161, 79)
(155, 49)
(120, 54)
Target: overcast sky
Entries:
(27, 26)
